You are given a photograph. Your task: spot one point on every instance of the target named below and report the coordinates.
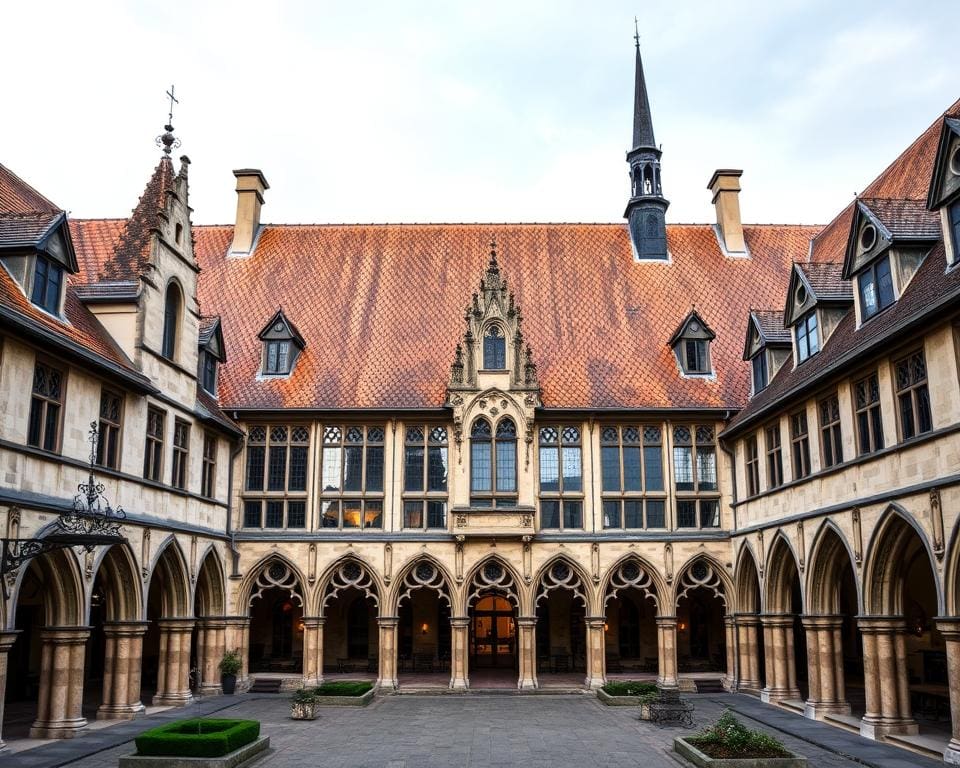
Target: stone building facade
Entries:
(471, 453)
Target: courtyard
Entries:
(439, 731)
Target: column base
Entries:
(389, 684)
(951, 754)
(312, 682)
(120, 711)
(877, 728)
(210, 689)
(527, 685)
(774, 695)
(592, 683)
(818, 710)
(668, 683)
(58, 729)
(462, 684)
(172, 699)
(754, 687)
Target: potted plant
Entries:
(230, 664)
(304, 703)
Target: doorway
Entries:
(493, 634)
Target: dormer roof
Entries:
(767, 324)
(700, 329)
(822, 283)
(897, 221)
(280, 327)
(210, 337)
(945, 180)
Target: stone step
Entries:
(926, 744)
(266, 685)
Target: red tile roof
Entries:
(381, 309)
(826, 280)
(16, 196)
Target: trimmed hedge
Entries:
(344, 688)
(198, 738)
(629, 688)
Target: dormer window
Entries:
(208, 373)
(47, 282)
(760, 374)
(171, 321)
(876, 288)
(277, 357)
(953, 216)
(691, 344)
(282, 344)
(494, 349)
(808, 337)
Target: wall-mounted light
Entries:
(682, 626)
(424, 628)
(606, 627)
(300, 626)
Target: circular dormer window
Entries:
(695, 326)
(278, 327)
(868, 237)
(955, 161)
(801, 295)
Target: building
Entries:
(472, 453)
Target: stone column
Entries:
(885, 677)
(667, 651)
(527, 652)
(950, 630)
(173, 673)
(596, 652)
(780, 662)
(60, 700)
(730, 636)
(7, 639)
(388, 651)
(827, 692)
(237, 638)
(123, 655)
(460, 653)
(749, 652)
(313, 650)
(212, 639)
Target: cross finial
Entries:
(173, 100)
(636, 31)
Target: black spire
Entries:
(642, 121)
(647, 207)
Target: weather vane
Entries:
(175, 100)
(167, 140)
(636, 31)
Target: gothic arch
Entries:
(210, 597)
(349, 572)
(264, 575)
(494, 574)
(825, 570)
(170, 566)
(886, 561)
(413, 575)
(60, 571)
(119, 574)
(952, 573)
(703, 571)
(782, 567)
(560, 572)
(647, 580)
(748, 591)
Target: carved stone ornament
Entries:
(701, 574)
(424, 575)
(857, 537)
(277, 573)
(936, 515)
(631, 575)
(492, 578)
(561, 575)
(350, 574)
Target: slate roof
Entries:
(770, 323)
(826, 281)
(905, 219)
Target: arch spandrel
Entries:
(258, 579)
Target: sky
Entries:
(456, 111)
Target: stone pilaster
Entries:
(667, 651)
(749, 652)
(460, 655)
(781, 666)
(527, 652)
(60, 699)
(123, 656)
(730, 635)
(237, 638)
(388, 651)
(596, 652)
(885, 677)
(313, 650)
(950, 630)
(7, 639)
(173, 673)
(212, 642)
(827, 689)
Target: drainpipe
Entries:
(733, 471)
(229, 531)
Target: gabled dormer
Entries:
(767, 346)
(944, 193)
(35, 243)
(691, 345)
(211, 353)
(282, 345)
(887, 242)
(817, 299)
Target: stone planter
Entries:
(347, 701)
(228, 683)
(617, 701)
(303, 711)
(231, 760)
(645, 711)
(698, 758)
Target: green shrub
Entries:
(197, 738)
(729, 738)
(305, 696)
(231, 663)
(630, 688)
(345, 688)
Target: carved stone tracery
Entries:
(701, 574)
(424, 575)
(631, 575)
(277, 574)
(493, 578)
(350, 575)
(561, 575)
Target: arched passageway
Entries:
(560, 608)
(210, 631)
(167, 642)
(701, 629)
(630, 622)
(784, 640)
(351, 630)
(424, 639)
(751, 661)
(276, 633)
(495, 657)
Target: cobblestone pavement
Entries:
(490, 731)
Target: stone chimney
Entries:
(251, 184)
(724, 185)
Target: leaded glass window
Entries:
(695, 475)
(494, 349)
(561, 477)
(46, 404)
(913, 395)
(631, 476)
(493, 463)
(425, 468)
(277, 466)
(351, 476)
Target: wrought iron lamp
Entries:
(89, 523)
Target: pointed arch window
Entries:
(171, 321)
(493, 464)
(494, 349)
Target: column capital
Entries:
(526, 621)
(125, 628)
(69, 635)
(388, 621)
(667, 622)
(776, 619)
(746, 619)
(177, 623)
(313, 622)
(596, 621)
(822, 621)
(881, 624)
(948, 626)
(459, 621)
(7, 638)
